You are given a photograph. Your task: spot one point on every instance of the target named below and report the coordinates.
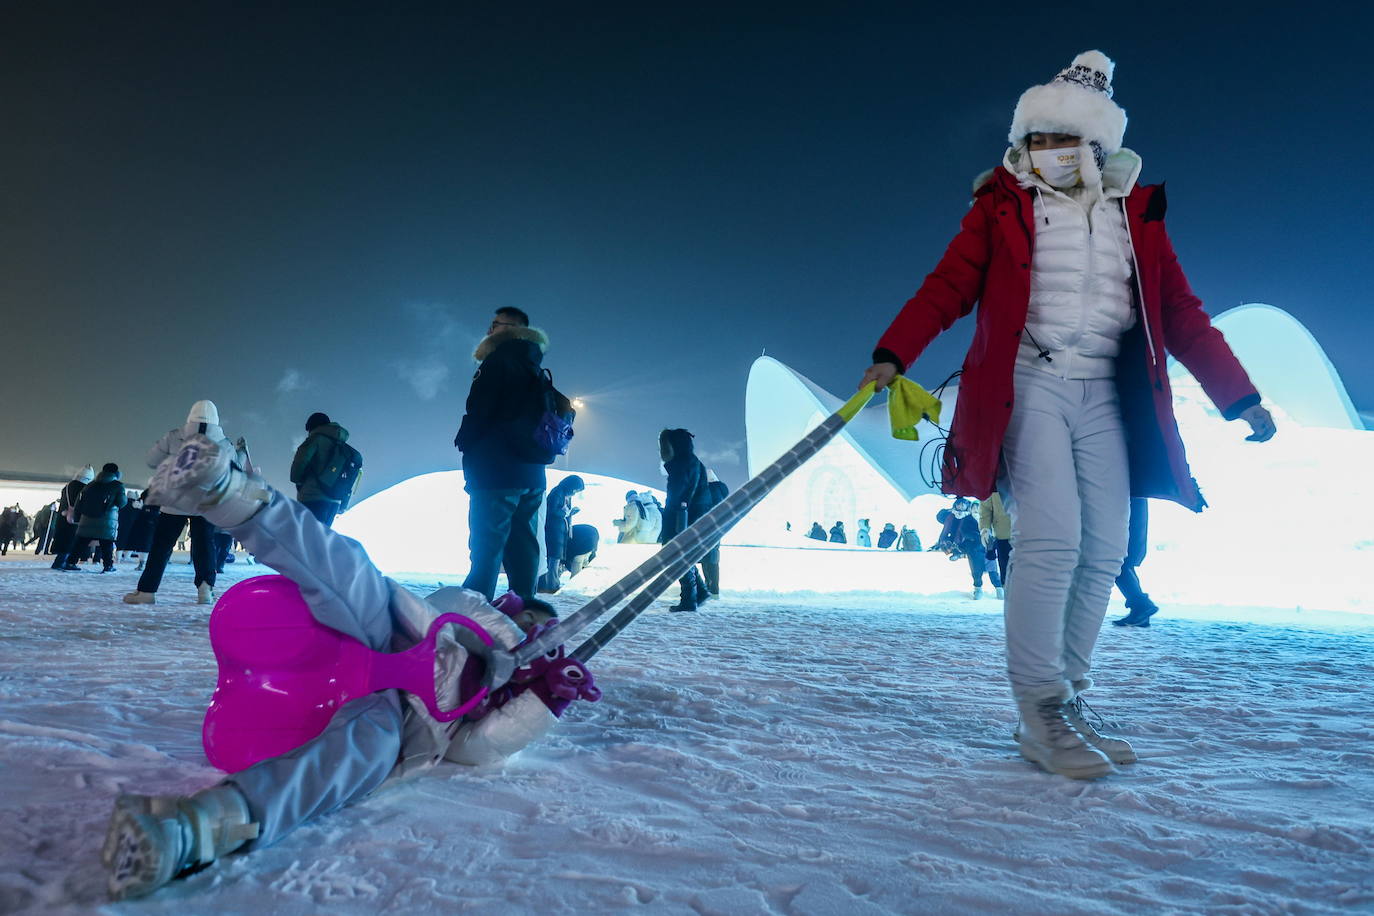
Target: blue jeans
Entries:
(503, 531)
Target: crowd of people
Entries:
(97, 518)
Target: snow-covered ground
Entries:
(801, 753)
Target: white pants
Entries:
(1066, 485)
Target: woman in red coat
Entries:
(1064, 403)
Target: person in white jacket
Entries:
(203, 420)
(153, 839)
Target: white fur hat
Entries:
(85, 475)
(1078, 101)
(204, 412)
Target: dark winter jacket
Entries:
(558, 517)
(886, 536)
(136, 526)
(958, 534)
(99, 507)
(71, 494)
(909, 540)
(689, 497)
(492, 437)
(312, 457)
(817, 533)
(43, 519)
(837, 534)
(988, 263)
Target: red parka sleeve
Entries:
(949, 292)
(1193, 341)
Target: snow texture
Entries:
(806, 753)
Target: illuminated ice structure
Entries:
(1287, 526)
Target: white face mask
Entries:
(1059, 167)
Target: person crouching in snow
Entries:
(1064, 393)
(960, 538)
(153, 839)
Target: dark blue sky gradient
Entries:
(318, 209)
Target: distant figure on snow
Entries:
(202, 420)
(817, 533)
(64, 538)
(558, 514)
(861, 536)
(316, 469)
(837, 534)
(98, 509)
(1137, 543)
(887, 536)
(995, 526)
(688, 499)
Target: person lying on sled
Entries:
(387, 734)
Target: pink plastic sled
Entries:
(283, 674)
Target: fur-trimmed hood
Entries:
(492, 341)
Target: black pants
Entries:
(503, 531)
(1001, 549)
(106, 553)
(63, 540)
(710, 568)
(165, 536)
(323, 509)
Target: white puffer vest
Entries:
(1081, 273)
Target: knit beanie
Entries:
(109, 468)
(204, 412)
(1078, 101)
(316, 419)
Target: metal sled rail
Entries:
(682, 552)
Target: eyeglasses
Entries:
(502, 324)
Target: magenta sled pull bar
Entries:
(681, 552)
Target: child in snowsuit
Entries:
(152, 840)
(1064, 393)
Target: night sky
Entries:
(319, 208)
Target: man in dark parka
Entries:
(505, 485)
(689, 498)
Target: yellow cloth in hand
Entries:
(907, 404)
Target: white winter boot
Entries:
(205, 594)
(154, 839)
(1118, 750)
(1046, 738)
(202, 479)
(977, 592)
(140, 598)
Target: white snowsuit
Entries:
(385, 734)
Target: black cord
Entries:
(1044, 353)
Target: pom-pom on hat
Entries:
(1078, 101)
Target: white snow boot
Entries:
(202, 479)
(153, 839)
(205, 594)
(1001, 592)
(1046, 738)
(977, 592)
(1118, 750)
(140, 598)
